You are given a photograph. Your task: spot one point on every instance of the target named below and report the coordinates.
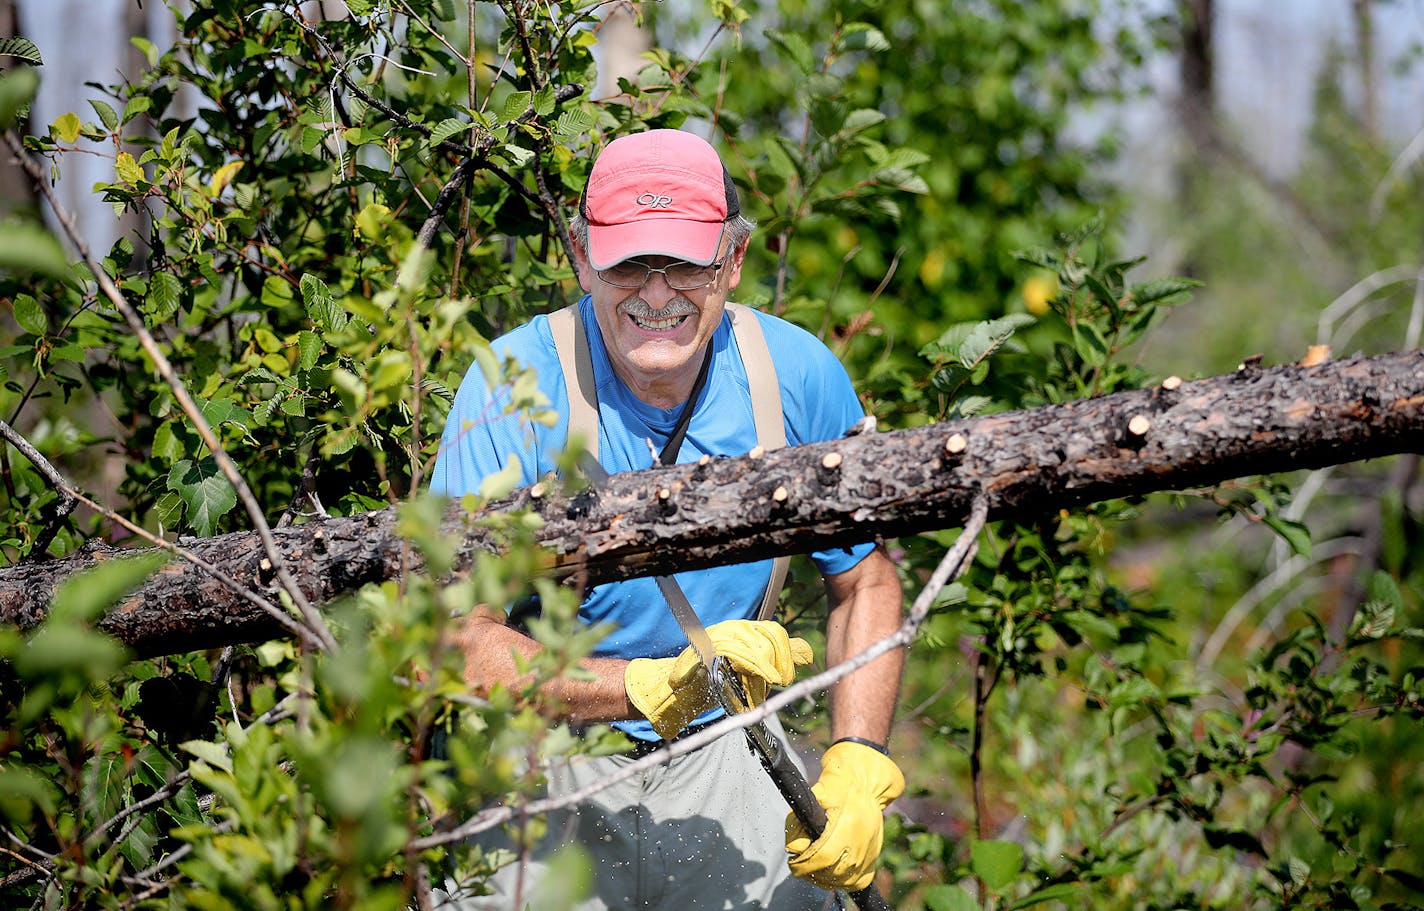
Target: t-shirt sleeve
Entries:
(484, 434)
(820, 404)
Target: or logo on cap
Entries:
(654, 201)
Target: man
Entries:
(658, 246)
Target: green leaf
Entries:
(136, 106)
(1057, 892)
(86, 595)
(949, 898)
(321, 307)
(987, 337)
(30, 315)
(214, 754)
(127, 169)
(23, 48)
(164, 295)
(106, 113)
(447, 128)
(502, 481)
(860, 36)
(17, 90)
(27, 247)
(862, 119)
(1293, 533)
(61, 650)
(794, 48)
(515, 105)
(206, 494)
(996, 862)
(573, 122)
(1164, 292)
(309, 346)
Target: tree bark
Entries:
(794, 500)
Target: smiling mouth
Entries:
(659, 325)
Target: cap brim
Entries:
(693, 241)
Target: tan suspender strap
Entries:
(767, 414)
(577, 364)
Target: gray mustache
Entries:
(637, 307)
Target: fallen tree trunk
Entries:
(810, 497)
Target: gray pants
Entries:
(705, 832)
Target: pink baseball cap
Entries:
(659, 193)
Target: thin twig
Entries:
(309, 614)
(66, 502)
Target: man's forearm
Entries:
(490, 648)
(864, 608)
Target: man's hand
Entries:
(670, 692)
(857, 783)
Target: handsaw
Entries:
(727, 690)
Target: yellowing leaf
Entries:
(502, 481)
(224, 176)
(127, 169)
(66, 128)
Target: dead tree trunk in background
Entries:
(1028, 463)
(1365, 56)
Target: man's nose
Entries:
(656, 290)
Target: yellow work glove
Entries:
(857, 783)
(670, 692)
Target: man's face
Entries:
(655, 334)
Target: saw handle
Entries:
(802, 800)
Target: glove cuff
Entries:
(882, 748)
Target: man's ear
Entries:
(582, 268)
(732, 268)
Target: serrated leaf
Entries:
(136, 106)
(24, 48)
(321, 307)
(1164, 291)
(996, 862)
(206, 494)
(794, 48)
(447, 128)
(127, 169)
(214, 754)
(860, 36)
(515, 105)
(28, 312)
(861, 119)
(165, 293)
(107, 115)
(309, 346)
(987, 337)
(573, 122)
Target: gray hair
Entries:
(738, 230)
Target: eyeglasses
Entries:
(681, 276)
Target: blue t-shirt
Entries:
(818, 403)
